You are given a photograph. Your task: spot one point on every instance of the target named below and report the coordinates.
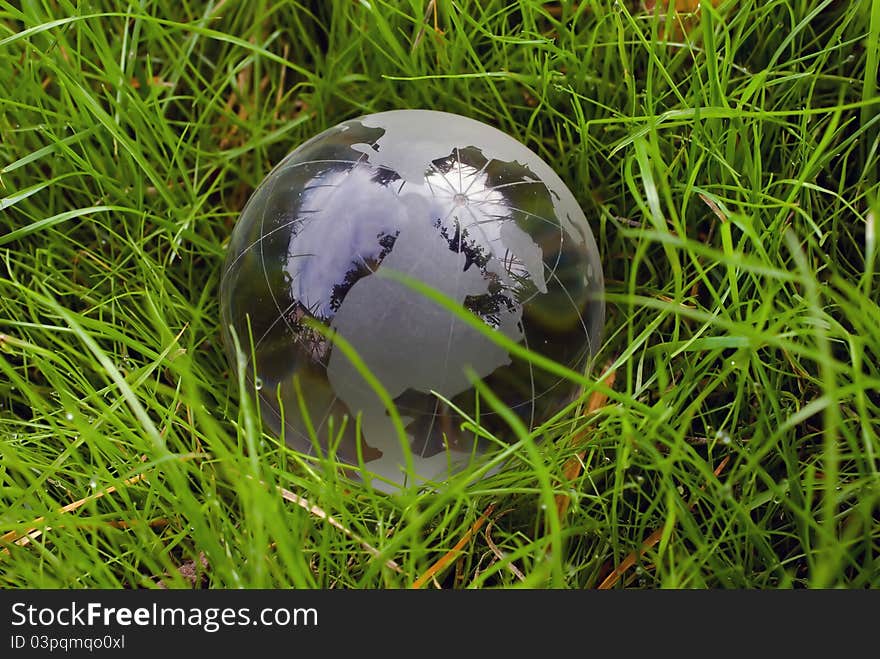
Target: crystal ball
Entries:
(453, 203)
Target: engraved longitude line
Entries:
(460, 231)
(434, 416)
(275, 322)
(449, 339)
(263, 261)
(265, 273)
(589, 349)
(512, 184)
(452, 318)
(573, 306)
(260, 394)
(281, 315)
(430, 187)
(477, 224)
(262, 238)
(525, 337)
(504, 218)
(476, 177)
(531, 378)
(353, 163)
(558, 253)
(443, 176)
(552, 275)
(364, 156)
(558, 256)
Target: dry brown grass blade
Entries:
(280, 93)
(499, 555)
(575, 464)
(649, 542)
(715, 208)
(319, 512)
(452, 554)
(22, 539)
(430, 7)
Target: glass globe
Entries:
(453, 203)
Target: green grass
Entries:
(729, 170)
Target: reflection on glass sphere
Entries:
(446, 200)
